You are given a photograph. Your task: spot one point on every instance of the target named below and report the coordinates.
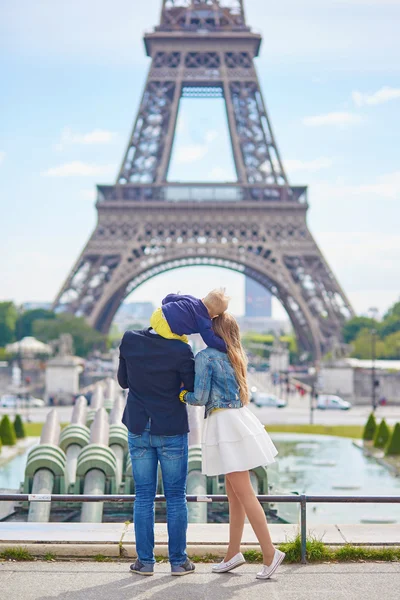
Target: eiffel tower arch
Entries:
(256, 226)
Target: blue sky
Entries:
(73, 73)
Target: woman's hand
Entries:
(182, 395)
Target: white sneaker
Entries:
(268, 571)
(224, 567)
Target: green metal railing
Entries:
(302, 499)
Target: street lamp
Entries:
(374, 383)
(373, 357)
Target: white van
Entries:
(332, 402)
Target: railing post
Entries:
(303, 528)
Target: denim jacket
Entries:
(215, 382)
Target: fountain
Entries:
(45, 469)
(73, 438)
(96, 468)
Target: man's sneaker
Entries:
(185, 569)
(142, 569)
(229, 565)
(267, 571)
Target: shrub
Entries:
(393, 448)
(7, 433)
(17, 553)
(382, 435)
(370, 428)
(19, 428)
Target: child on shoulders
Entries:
(181, 315)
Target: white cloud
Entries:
(190, 153)
(367, 264)
(386, 186)
(89, 194)
(308, 165)
(97, 136)
(2, 156)
(385, 94)
(221, 174)
(79, 169)
(332, 118)
(210, 136)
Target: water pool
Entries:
(12, 473)
(326, 465)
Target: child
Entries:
(181, 315)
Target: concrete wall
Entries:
(62, 382)
(355, 385)
(389, 386)
(338, 380)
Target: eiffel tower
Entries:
(256, 226)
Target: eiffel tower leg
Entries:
(254, 145)
(152, 135)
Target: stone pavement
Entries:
(112, 581)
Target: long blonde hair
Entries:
(226, 327)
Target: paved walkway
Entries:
(95, 581)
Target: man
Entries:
(153, 369)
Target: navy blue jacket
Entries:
(186, 315)
(153, 368)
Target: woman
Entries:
(234, 441)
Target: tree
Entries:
(390, 325)
(393, 448)
(85, 337)
(19, 428)
(392, 346)
(370, 428)
(7, 433)
(258, 344)
(354, 326)
(362, 346)
(8, 320)
(25, 321)
(382, 435)
(394, 311)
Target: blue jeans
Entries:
(146, 451)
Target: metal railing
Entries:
(201, 192)
(301, 499)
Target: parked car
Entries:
(12, 401)
(263, 399)
(332, 402)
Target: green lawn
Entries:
(349, 431)
(35, 429)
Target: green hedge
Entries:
(393, 448)
(19, 428)
(382, 435)
(370, 428)
(7, 433)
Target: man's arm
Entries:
(186, 370)
(212, 340)
(122, 374)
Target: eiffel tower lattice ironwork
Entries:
(257, 226)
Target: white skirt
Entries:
(235, 440)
